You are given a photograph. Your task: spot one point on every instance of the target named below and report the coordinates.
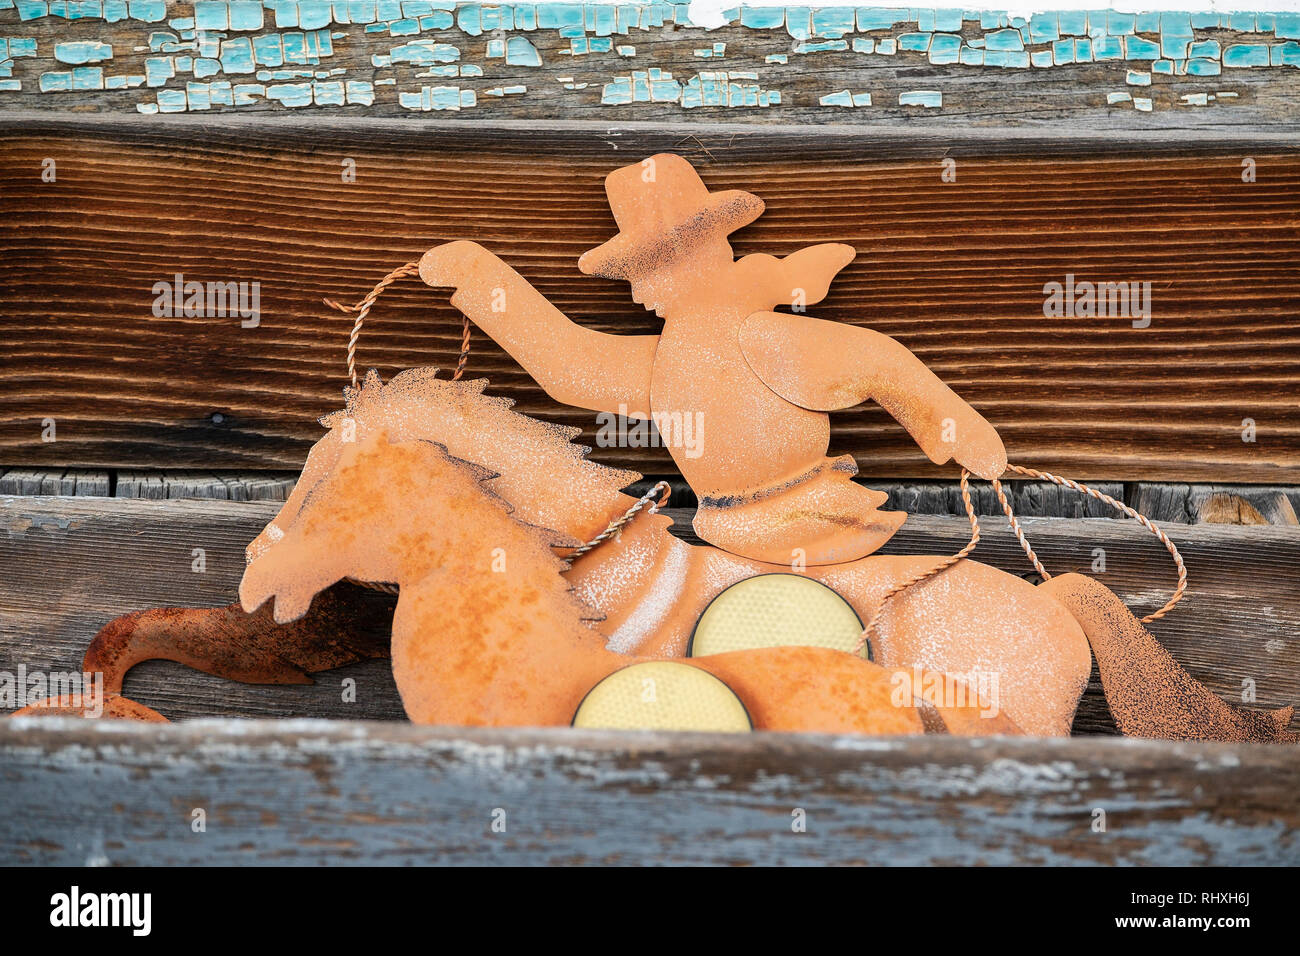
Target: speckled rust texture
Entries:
(752, 384)
(1149, 693)
(381, 499)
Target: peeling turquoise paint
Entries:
(521, 52)
(818, 46)
(82, 51)
(431, 98)
(1136, 48)
(736, 89)
(914, 42)
(224, 40)
(845, 98)
(16, 47)
(1246, 54)
(945, 48)
(926, 98)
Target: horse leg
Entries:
(993, 631)
(345, 624)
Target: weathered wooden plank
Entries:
(836, 65)
(54, 481)
(74, 564)
(233, 487)
(306, 792)
(955, 271)
(1220, 504)
(1028, 498)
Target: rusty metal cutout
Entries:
(1149, 693)
(754, 385)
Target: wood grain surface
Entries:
(79, 562)
(955, 271)
(314, 792)
(565, 82)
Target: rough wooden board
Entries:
(1220, 504)
(54, 481)
(1028, 498)
(233, 487)
(78, 563)
(314, 792)
(955, 271)
(973, 95)
(1165, 502)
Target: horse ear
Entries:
(476, 471)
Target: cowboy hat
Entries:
(662, 207)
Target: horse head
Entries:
(373, 510)
(547, 479)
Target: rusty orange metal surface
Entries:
(753, 385)
(638, 596)
(474, 511)
(1148, 692)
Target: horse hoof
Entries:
(112, 706)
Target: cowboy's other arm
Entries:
(574, 365)
(824, 366)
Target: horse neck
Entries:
(545, 485)
(504, 644)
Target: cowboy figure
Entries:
(760, 382)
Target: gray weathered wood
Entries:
(1063, 95)
(1028, 498)
(74, 564)
(1220, 504)
(219, 486)
(54, 481)
(305, 792)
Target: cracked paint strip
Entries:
(236, 38)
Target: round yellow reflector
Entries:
(776, 610)
(662, 695)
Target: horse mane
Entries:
(536, 467)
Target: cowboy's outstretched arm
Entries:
(826, 366)
(574, 365)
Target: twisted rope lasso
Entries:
(1024, 543)
(362, 309)
(943, 565)
(1084, 489)
(614, 527)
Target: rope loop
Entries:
(362, 309)
(943, 565)
(1100, 496)
(661, 488)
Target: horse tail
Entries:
(1148, 691)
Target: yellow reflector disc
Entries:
(662, 695)
(776, 610)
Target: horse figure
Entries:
(426, 482)
(494, 628)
